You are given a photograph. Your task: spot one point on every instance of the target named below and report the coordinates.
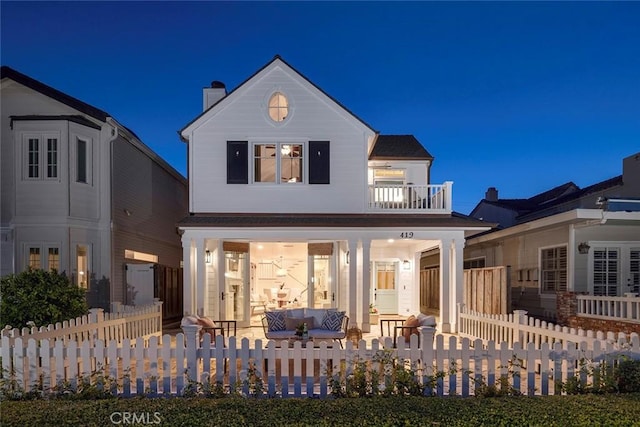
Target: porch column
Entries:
(220, 279)
(366, 284)
(457, 279)
(353, 283)
(445, 286)
(187, 276)
(200, 276)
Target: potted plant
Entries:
(373, 314)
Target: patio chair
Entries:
(404, 327)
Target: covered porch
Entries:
(238, 272)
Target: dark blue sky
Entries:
(522, 96)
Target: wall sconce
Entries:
(406, 264)
(207, 256)
(583, 248)
(346, 257)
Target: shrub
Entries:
(41, 297)
(627, 376)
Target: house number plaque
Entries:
(406, 235)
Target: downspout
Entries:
(113, 136)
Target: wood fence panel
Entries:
(430, 290)
(486, 290)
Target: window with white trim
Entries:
(553, 269)
(42, 156)
(278, 107)
(278, 163)
(82, 266)
(53, 259)
(43, 256)
(606, 271)
(81, 161)
(34, 258)
(634, 270)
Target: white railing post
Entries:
(520, 318)
(458, 318)
(191, 337)
(96, 315)
(448, 196)
(116, 307)
(629, 305)
(158, 304)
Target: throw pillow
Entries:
(205, 322)
(332, 320)
(410, 327)
(275, 321)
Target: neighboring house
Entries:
(295, 201)
(565, 239)
(82, 194)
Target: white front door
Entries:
(139, 284)
(385, 279)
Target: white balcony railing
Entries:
(626, 308)
(411, 198)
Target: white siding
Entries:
(312, 118)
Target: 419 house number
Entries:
(406, 235)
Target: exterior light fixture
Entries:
(583, 248)
(406, 264)
(207, 256)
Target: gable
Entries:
(252, 96)
(74, 104)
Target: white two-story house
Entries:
(83, 195)
(295, 201)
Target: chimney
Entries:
(631, 175)
(213, 94)
(491, 195)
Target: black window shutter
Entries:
(319, 164)
(237, 162)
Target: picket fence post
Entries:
(520, 318)
(191, 337)
(97, 317)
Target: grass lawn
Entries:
(583, 410)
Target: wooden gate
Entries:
(430, 291)
(486, 290)
(168, 288)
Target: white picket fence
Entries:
(626, 308)
(518, 327)
(143, 321)
(166, 366)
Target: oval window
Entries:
(278, 107)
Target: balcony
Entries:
(409, 198)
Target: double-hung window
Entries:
(42, 157)
(46, 257)
(278, 163)
(553, 263)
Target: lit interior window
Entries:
(278, 107)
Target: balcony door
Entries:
(388, 185)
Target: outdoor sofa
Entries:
(323, 324)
